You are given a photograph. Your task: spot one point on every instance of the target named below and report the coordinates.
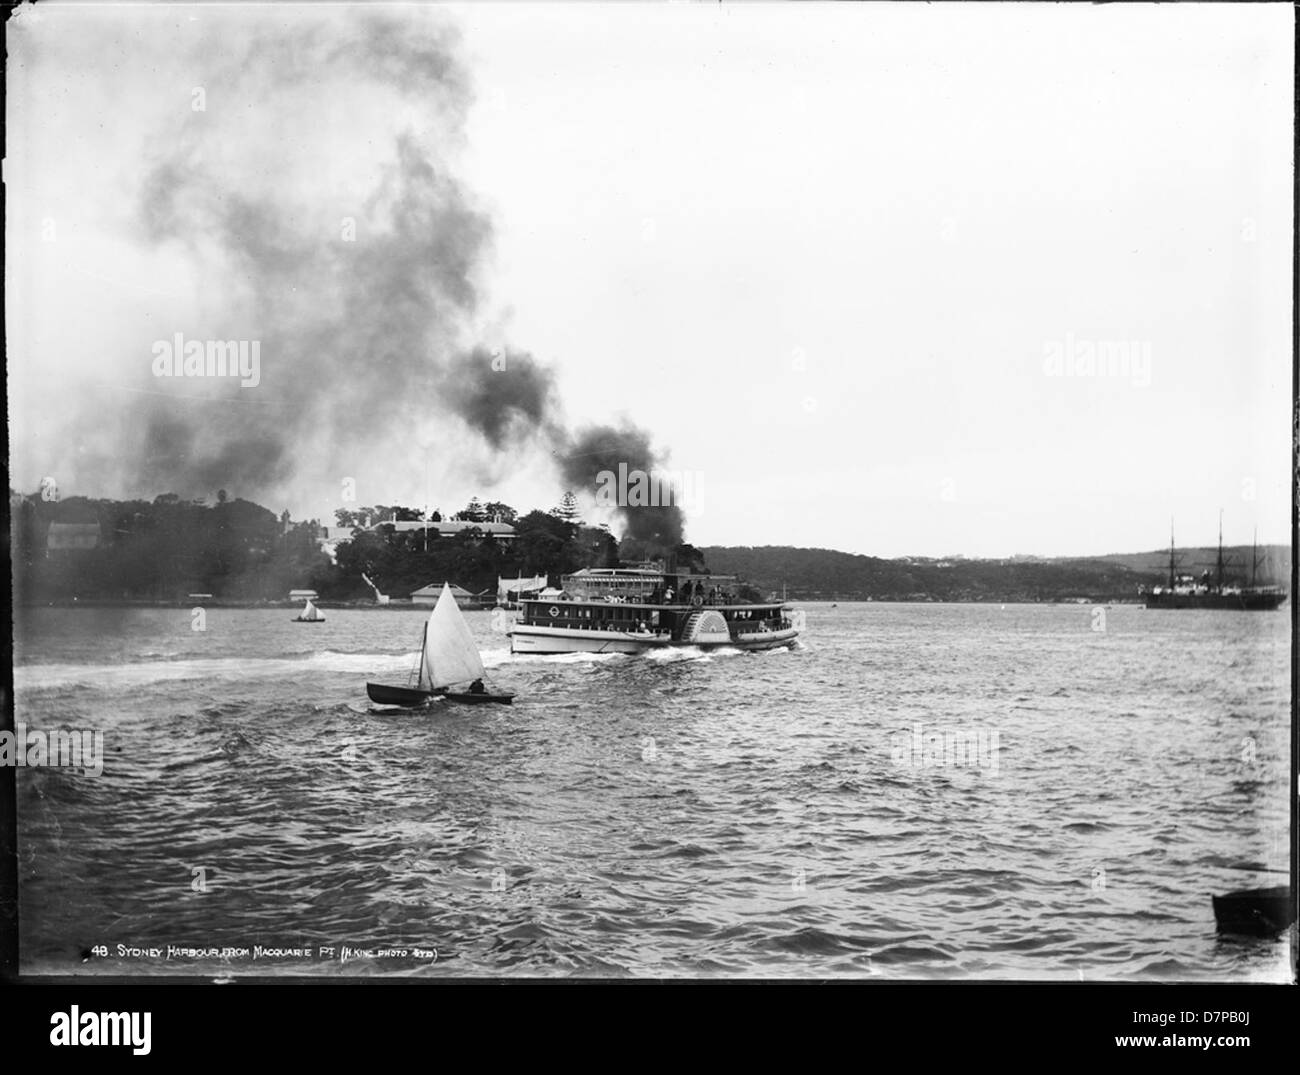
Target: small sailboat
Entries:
(310, 614)
(448, 659)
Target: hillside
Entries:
(164, 549)
(1274, 562)
(825, 574)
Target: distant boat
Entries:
(448, 659)
(1186, 591)
(310, 614)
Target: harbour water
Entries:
(912, 791)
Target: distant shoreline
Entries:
(407, 606)
(216, 602)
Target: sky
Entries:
(892, 279)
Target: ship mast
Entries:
(1171, 553)
(1254, 556)
(1218, 566)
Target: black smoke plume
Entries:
(364, 299)
(509, 398)
(653, 530)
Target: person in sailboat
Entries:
(477, 687)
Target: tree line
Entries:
(168, 548)
(829, 575)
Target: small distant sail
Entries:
(311, 613)
(450, 653)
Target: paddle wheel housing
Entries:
(706, 625)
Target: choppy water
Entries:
(722, 814)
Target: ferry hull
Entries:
(531, 639)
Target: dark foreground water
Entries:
(778, 814)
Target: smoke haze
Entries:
(295, 180)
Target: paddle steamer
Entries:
(634, 609)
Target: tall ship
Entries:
(1212, 591)
(634, 609)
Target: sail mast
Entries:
(423, 681)
(1171, 552)
(1219, 562)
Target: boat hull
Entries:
(532, 639)
(1248, 602)
(470, 698)
(387, 694)
(1258, 912)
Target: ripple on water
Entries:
(681, 814)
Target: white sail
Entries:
(450, 655)
(311, 612)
